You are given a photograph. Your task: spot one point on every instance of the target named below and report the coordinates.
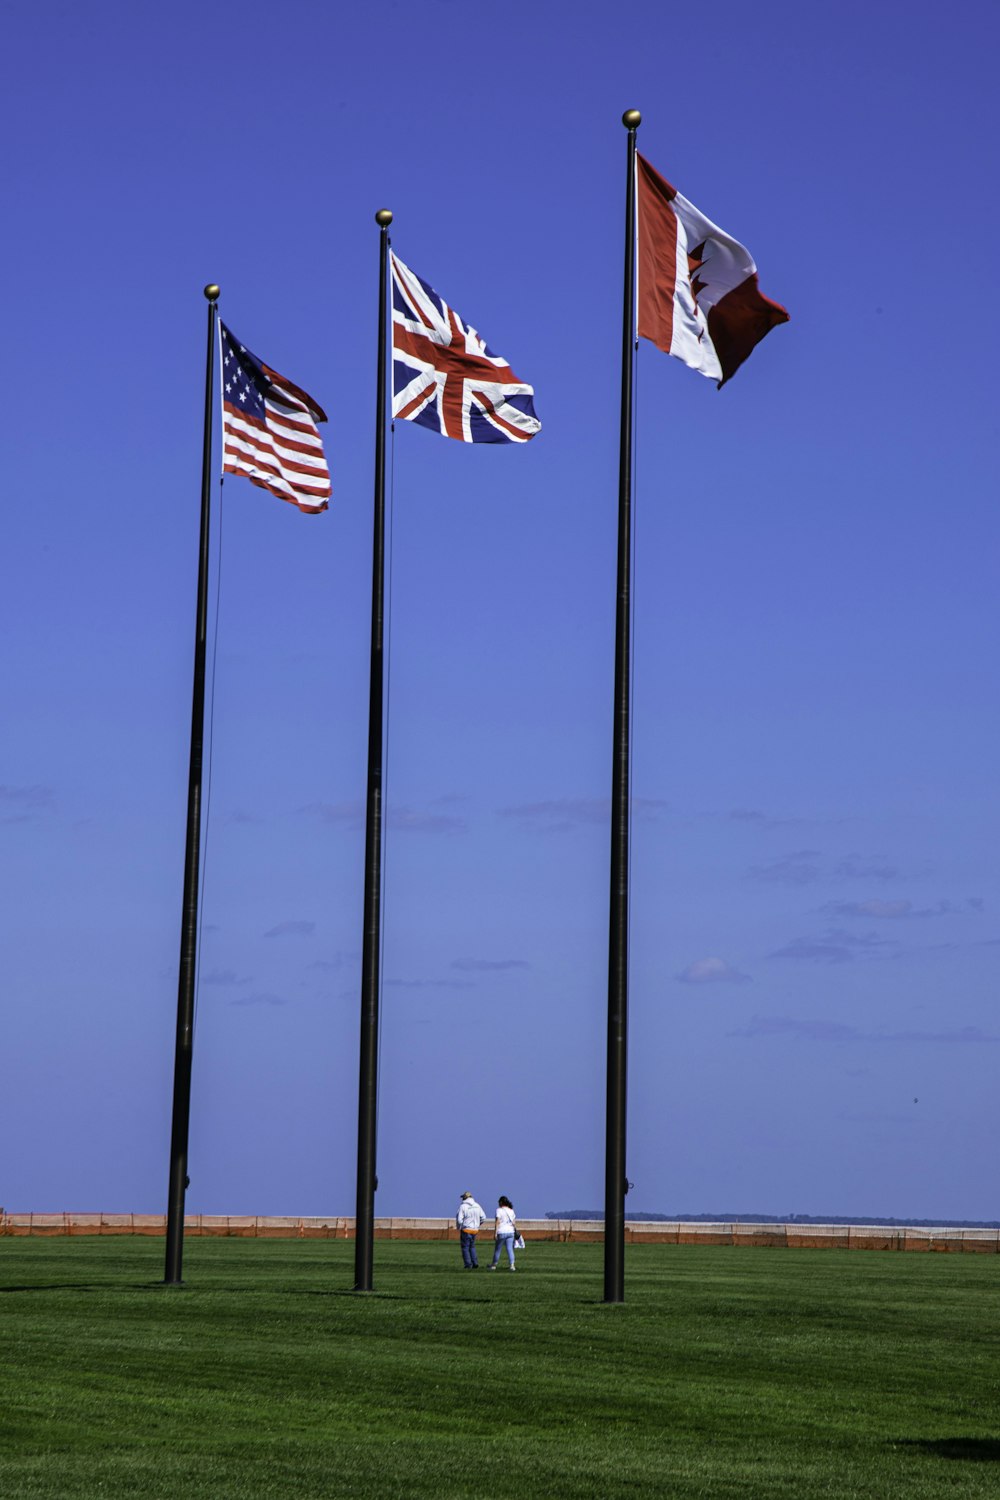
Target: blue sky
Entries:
(815, 928)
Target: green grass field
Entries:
(728, 1372)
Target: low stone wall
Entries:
(819, 1236)
(581, 1231)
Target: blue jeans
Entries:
(468, 1242)
(501, 1241)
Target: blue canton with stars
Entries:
(244, 383)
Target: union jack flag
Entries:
(445, 377)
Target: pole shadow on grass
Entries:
(85, 1286)
(207, 1288)
(968, 1449)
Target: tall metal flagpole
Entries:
(189, 909)
(364, 1230)
(615, 1181)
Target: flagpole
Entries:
(189, 908)
(364, 1222)
(615, 1181)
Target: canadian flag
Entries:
(698, 297)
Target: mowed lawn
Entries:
(728, 1372)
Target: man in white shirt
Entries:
(468, 1219)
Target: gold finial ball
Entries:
(384, 218)
(212, 291)
(631, 119)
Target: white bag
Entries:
(519, 1241)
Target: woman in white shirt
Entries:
(506, 1229)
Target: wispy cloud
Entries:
(430, 984)
(814, 950)
(839, 1031)
(557, 814)
(291, 929)
(22, 804)
(807, 866)
(801, 867)
(341, 814)
(649, 808)
(836, 946)
(336, 963)
(410, 820)
(562, 814)
(26, 796)
(488, 965)
(865, 867)
(757, 819)
(399, 818)
(898, 910)
(224, 977)
(888, 910)
(877, 1117)
(711, 971)
(813, 1031)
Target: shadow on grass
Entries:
(969, 1449)
(85, 1286)
(202, 1287)
(214, 1289)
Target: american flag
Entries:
(445, 377)
(269, 429)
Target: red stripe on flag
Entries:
(292, 445)
(271, 440)
(309, 481)
(258, 462)
(492, 415)
(450, 358)
(273, 431)
(405, 413)
(296, 391)
(244, 416)
(657, 255)
(279, 415)
(287, 494)
(452, 403)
